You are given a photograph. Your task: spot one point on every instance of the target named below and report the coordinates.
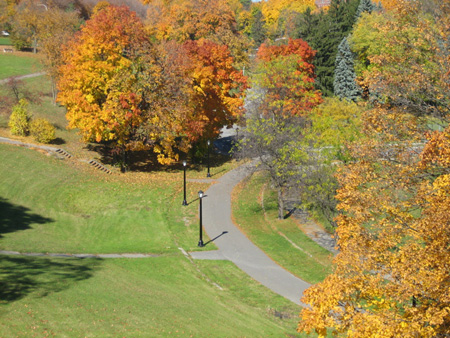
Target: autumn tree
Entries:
(282, 95)
(199, 19)
(217, 85)
(98, 73)
(119, 87)
(57, 26)
(286, 75)
(277, 12)
(277, 144)
(403, 56)
(25, 24)
(391, 275)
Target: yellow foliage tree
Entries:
(274, 10)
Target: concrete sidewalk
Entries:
(236, 247)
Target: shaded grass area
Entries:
(157, 297)
(255, 211)
(18, 64)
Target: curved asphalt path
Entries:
(235, 246)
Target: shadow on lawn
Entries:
(16, 217)
(40, 276)
(146, 161)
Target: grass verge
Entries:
(255, 211)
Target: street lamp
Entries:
(208, 174)
(184, 180)
(200, 242)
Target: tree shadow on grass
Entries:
(16, 217)
(40, 276)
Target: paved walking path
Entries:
(235, 246)
(21, 77)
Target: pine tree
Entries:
(258, 32)
(329, 29)
(345, 86)
(365, 6)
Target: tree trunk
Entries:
(280, 203)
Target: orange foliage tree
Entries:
(391, 276)
(286, 75)
(119, 87)
(97, 75)
(218, 87)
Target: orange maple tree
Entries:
(286, 74)
(117, 86)
(391, 275)
(95, 62)
(218, 88)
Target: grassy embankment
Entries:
(13, 64)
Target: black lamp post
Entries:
(208, 174)
(200, 242)
(184, 180)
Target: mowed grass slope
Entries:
(18, 64)
(60, 206)
(65, 206)
(150, 297)
(70, 210)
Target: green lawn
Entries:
(5, 41)
(13, 64)
(256, 213)
(51, 205)
(68, 207)
(154, 297)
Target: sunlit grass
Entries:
(255, 211)
(18, 64)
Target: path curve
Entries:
(21, 77)
(235, 246)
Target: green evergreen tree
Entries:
(324, 32)
(345, 86)
(365, 6)
(258, 32)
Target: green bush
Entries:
(42, 130)
(19, 121)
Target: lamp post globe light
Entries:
(184, 182)
(208, 174)
(200, 242)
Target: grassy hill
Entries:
(49, 205)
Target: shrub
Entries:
(42, 130)
(19, 121)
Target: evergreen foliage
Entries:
(345, 86)
(365, 6)
(324, 32)
(258, 31)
